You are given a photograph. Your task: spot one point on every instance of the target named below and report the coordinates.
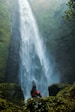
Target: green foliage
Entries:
(9, 107)
(11, 92)
(55, 88)
(59, 103)
(5, 26)
(70, 13)
(64, 101)
(68, 92)
(11, 98)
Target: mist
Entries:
(58, 35)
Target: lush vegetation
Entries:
(11, 99)
(6, 106)
(58, 35)
(64, 101)
(5, 27)
(62, 97)
(11, 92)
(50, 27)
(70, 13)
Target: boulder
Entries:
(55, 88)
(11, 92)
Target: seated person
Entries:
(35, 93)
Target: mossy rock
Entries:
(9, 106)
(11, 92)
(49, 104)
(58, 103)
(55, 88)
(11, 98)
(68, 92)
(64, 101)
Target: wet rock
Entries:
(55, 88)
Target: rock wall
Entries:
(59, 36)
(13, 58)
(5, 25)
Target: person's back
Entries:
(35, 93)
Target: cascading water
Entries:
(34, 64)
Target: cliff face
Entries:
(58, 35)
(9, 40)
(13, 57)
(5, 29)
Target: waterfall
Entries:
(34, 63)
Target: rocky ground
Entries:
(11, 99)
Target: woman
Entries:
(35, 93)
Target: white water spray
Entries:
(34, 64)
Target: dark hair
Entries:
(34, 86)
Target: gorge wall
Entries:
(5, 27)
(13, 57)
(58, 35)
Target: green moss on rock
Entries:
(55, 88)
(9, 106)
(11, 100)
(11, 92)
(64, 101)
(68, 92)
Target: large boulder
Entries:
(6, 106)
(11, 92)
(68, 92)
(55, 88)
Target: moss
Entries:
(9, 107)
(11, 92)
(11, 98)
(55, 88)
(68, 92)
(64, 101)
(5, 27)
(70, 13)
